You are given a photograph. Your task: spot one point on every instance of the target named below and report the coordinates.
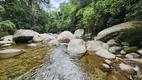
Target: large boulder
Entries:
(97, 45)
(105, 54)
(24, 35)
(65, 37)
(79, 33)
(127, 25)
(76, 48)
(43, 37)
(9, 53)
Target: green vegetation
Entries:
(91, 15)
(130, 49)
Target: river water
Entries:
(54, 64)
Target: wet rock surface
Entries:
(9, 53)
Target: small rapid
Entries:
(58, 66)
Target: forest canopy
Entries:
(91, 15)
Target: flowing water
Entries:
(50, 63)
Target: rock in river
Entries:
(79, 33)
(97, 45)
(9, 53)
(105, 54)
(65, 37)
(104, 33)
(76, 48)
(127, 69)
(24, 35)
(32, 45)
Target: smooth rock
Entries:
(9, 53)
(135, 55)
(108, 61)
(101, 35)
(7, 38)
(129, 56)
(111, 42)
(32, 45)
(64, 44)
(79, 33)
(6, 45)
(140, 52)
(122, 52)
(127, 69)
(43, 37)
(24, 35)
(76, 48)
(97, 45)
(105, 54)
(6, 42)
(65, 37)
(37, 38)
(112, 50)
(53, 42)
(47, 37)
(105, 67)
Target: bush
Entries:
(7, 27)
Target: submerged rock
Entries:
(76, 48)
(32, 45)
(9, 53)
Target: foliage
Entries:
(7, 27)
(1, 9)
(92, 15)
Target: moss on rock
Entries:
(130, 49)
(91, 63)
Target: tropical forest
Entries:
(70, 39)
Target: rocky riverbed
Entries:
(67, 56)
